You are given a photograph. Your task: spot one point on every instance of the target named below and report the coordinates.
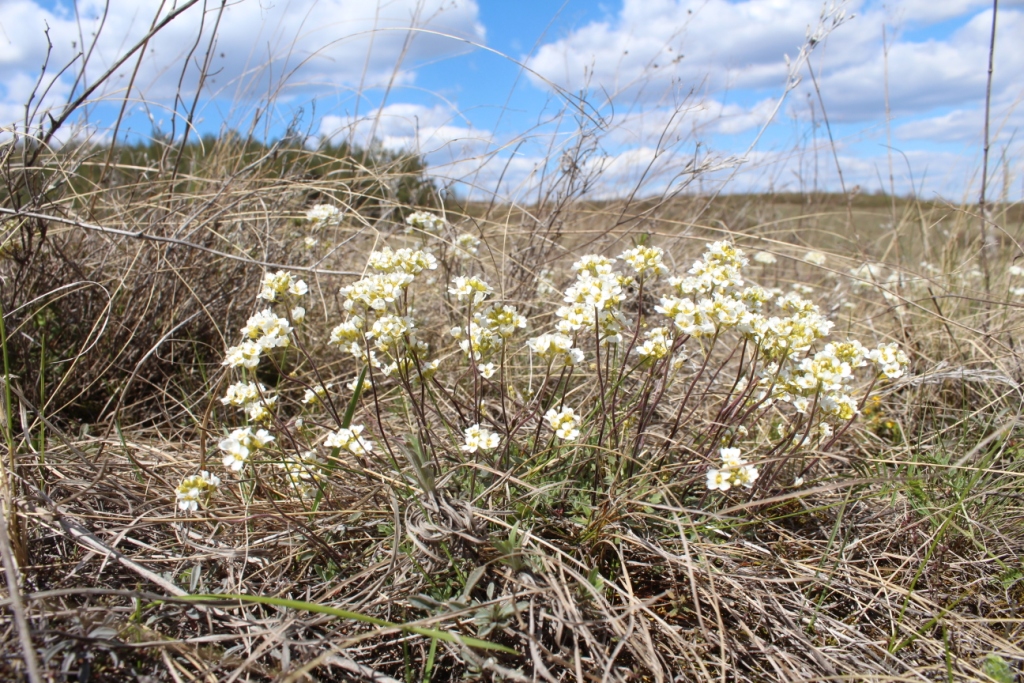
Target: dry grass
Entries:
(900, 561)
(898, 557)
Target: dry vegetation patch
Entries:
(888, 547)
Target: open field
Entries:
(474, 529)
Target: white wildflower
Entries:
(245, 355)
(196, 490)
(350, 440)
(555, 346)
(316, 394)
(479, 438)
(466, 245)
(815, 257)
(890, 359)
(735, 471)
(565, 422)
(242, 393)
(646, 261)
(280, 283)
(471, 289)
(323, 214)
(427, 222)
(260, 411)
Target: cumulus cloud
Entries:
(932, 11)
(652, 47)
(439, 133)
(656, 44)
(694, 120)
(925, 74)
(260, 50)
(713, 69)
(659, 77)
(966, 124)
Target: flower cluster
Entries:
(316, 394)
(323, 215)
(241, 394)
(646, 261)
(709, 315)
(735, 471)
(466, 245)
(656, 345)
(556, 347)
(268, 329)
(718, 271)
(349, 439)
(410, 261)
(890, 359)
(427, 222)
(238, 445)
(253, 398)
(594, 300)
(784, 331)
(479, 438)
(594, 265)
(378, 312)
(565, 422)
(262, 333)
(471, 289)
(815, 258)
(196, 490)
(389, 330)
(302, 472)
(779, 337)
(782, 363)
(375, 292)
(825, 378)
(488, 330)
(277, 285)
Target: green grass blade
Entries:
(346, 421)
(445, 636)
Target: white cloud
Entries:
(932, 11)
(660, 74)
(454, 150)
(654, 45)
(966, 124)
(270, 50)
(696, 119)
(926, 74)
(437, 132)
(684, 70)
(654, 48)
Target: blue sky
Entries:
(487, 89)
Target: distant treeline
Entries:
(367, 178)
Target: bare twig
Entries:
(140, 235)
(28, 650)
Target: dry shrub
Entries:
(136, 320)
